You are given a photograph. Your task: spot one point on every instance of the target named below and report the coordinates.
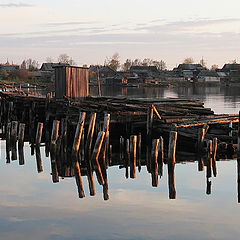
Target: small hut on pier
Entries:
(71, 81)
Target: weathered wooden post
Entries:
(75, 149)
(238, 135)
(14, 131)
(121, 148)
(209, 159)
(160, 156)
(106, 138)
(54, 137)
(39, 134)
(8, 142)
(21, 132)
(139, 151)
(39, 159)
(201, 136)
(95, 156)
(214, 158)
(209, 184)
(171, 164)
(133, 156)
(154, 162)
(127, 156)
(90, 134)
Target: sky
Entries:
(90, 31)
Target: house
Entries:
(188, 71)
(208, 76)
(7, 67)
(146, 73)
(232, 70)
(46, 72)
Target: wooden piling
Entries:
(201, 136)
(214, 158)
(171, 164)
(21, 156)
(161, 158)
(209, 184)
(95, 156)
(78, 178)
(8, 142)
(238, 179)
(78, 134)
(39, 160)
(154, 162)
(21, 132)
(133, 156)
(39, 134)
(127, 156)
(106, 138)
(90, 134)
(172, 147)
(139, 151)
(238, 148)
(209, 159)
(14, 132)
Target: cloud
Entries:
(15, 5)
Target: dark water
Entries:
(32, 207)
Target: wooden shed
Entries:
(72, 82)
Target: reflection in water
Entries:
(128, 158)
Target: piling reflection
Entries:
(65, 165)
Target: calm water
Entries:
(32, 207)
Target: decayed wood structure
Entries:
(82, 135)
(71, 82)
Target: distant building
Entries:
(7, 67)
(188, 71)
(208, 76)
(232, 70)
(47, 72)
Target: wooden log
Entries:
(21, 132)
(14, 132)
(149, 123)
(214, 158)
(39, 134)
(78, 134)
(90, 134)
(154, 162)
(78, 178)
(95, 156)
(172, 147)
(133, 156)
(47, 134)
(39, 160)
(156, 112)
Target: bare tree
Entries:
(30, 64)
(234, 61)
(65, 59)
(188, 60)
(49, 60)
(214, 67)
(161, 65)
(126, 66)
(113, 62)
(203, 62)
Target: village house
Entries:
(7, 67)
(146, 74)
(232, 70)
(208, 76)
(188, 72)
(47, 72)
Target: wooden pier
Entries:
(82, 135)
